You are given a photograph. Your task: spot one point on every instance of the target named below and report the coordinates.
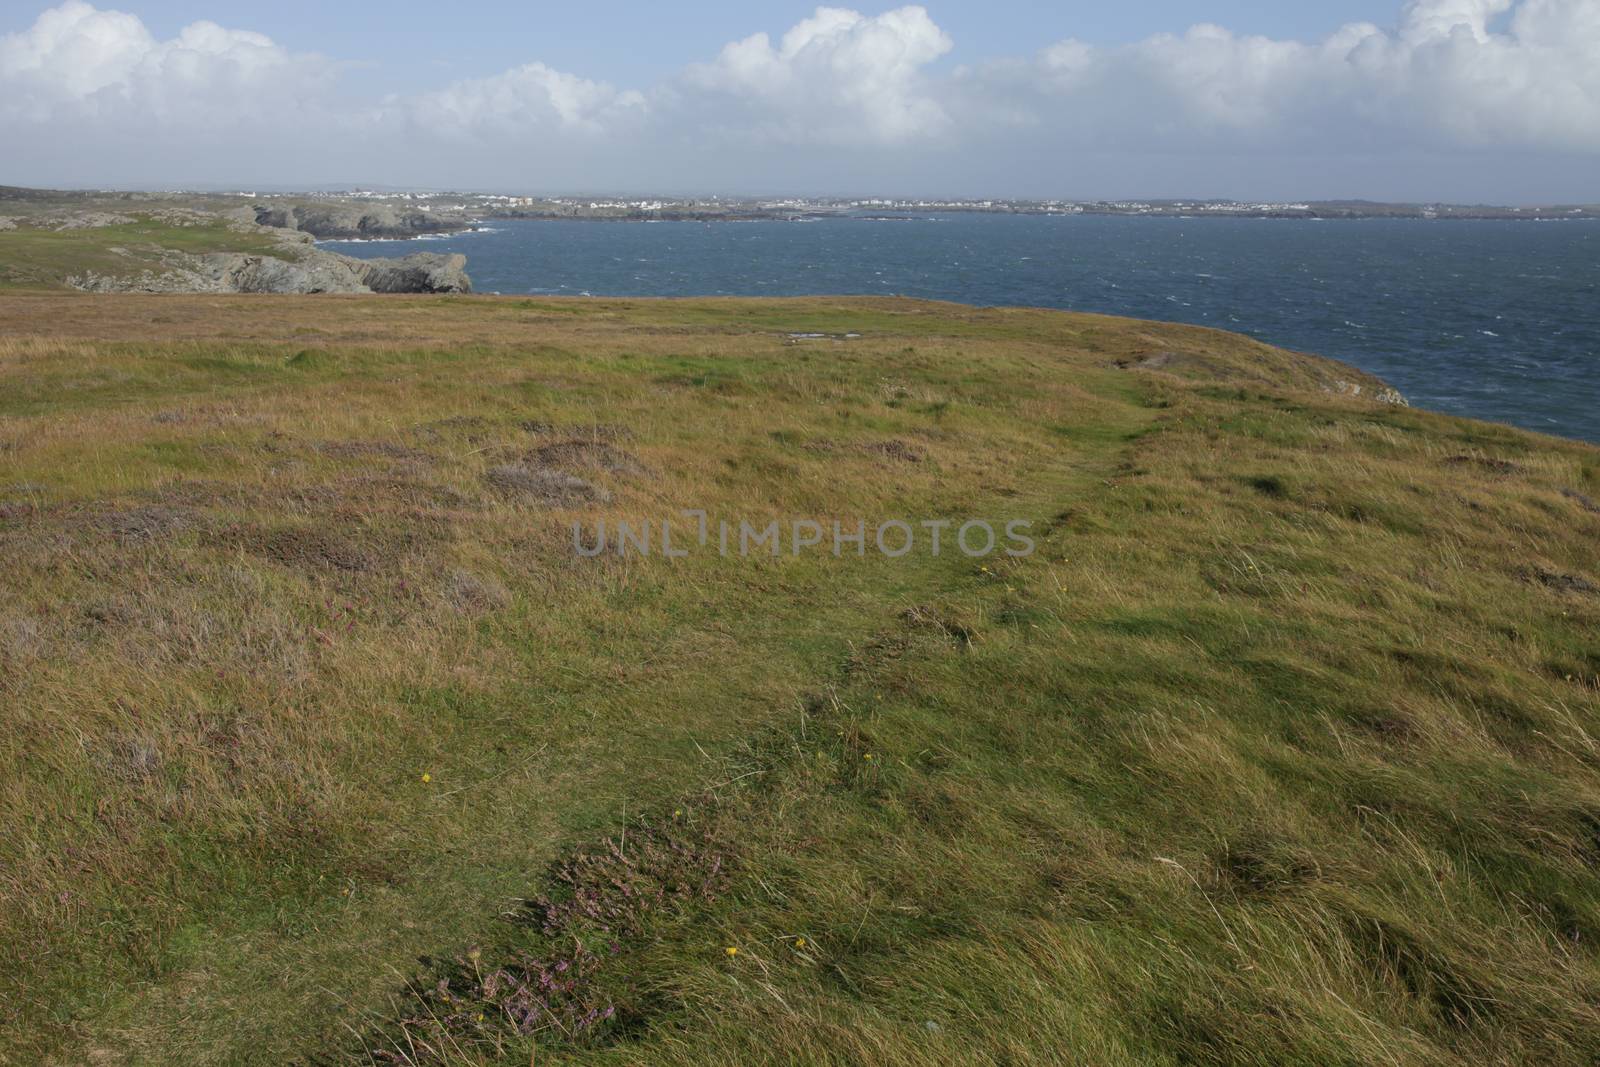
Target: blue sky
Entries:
(1460, 100)
(632, 41)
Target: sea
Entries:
(1496, 320)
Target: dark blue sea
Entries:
(1496, 320)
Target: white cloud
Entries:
(1452, 77)
(79, 62)
(1444, 79)
(527, 97)
(837, 76)
(73, 50)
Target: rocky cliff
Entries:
(313, 271)
(281, 261)
(421, 272)
(343, 221)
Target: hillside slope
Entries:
(183, 250)
(324, 745)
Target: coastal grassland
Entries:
(34, 256)
(1280, 749)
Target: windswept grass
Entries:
(324, 746)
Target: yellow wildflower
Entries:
(426, 778)
(731, 951)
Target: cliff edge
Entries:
(185, 251)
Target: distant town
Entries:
(389, 214)
(465, 206)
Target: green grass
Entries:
(32, 257)
(1280, 749)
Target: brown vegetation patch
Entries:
(470, 593)
(20, 639)
(469, 1004)
(131, 758)
(590, 431)
(199, 493)
(1553, 579)
(471, 428)
(577, 452)
(303, 547)
(610, 895)
(372, 450)
(898, 451)
(396, 489)
(1584, 502)
(618, 885)
(318, 495)
(551, 487)
(1155, 361)
(137, 525)
(1391, 724)
(1486, 463)
(926, 617)
(109, 611)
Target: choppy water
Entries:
(1497, 320)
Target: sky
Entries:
(1419, 100)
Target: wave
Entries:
(396, 240)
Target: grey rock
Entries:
(423, 272)
(354, 221)
(300, 270)
(317, 273)
(1381, 392)
(83, 220)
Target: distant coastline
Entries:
(482, 225)
(367, 214)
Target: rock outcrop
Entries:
(422, 272)
(354, 221)
(301, 270)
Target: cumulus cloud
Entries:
(1450, 77)
(77, 62)
(835, 76)
(528, 97)
(1442, 78)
